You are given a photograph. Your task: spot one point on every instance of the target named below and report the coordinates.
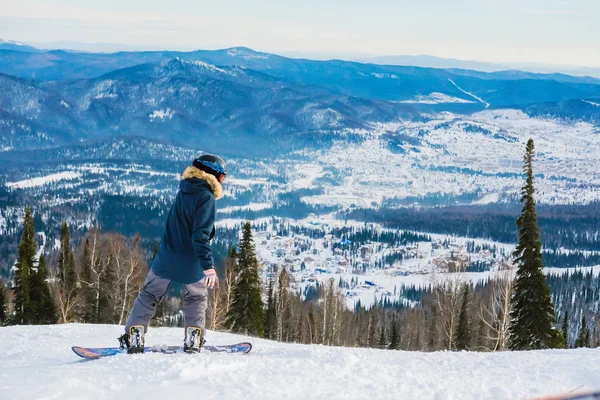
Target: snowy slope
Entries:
(37, 363)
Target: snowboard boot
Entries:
(133, 340)
(194, 339)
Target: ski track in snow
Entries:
(592, 103)
(479, 99)
(36, 362)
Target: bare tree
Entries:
(447, 297)
(91, 273)
(129, 273)
(219, 299)
(496, 315)
(332, 315)
(216, 310)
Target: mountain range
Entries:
(101, 139)
(262, 102)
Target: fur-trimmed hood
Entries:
(211, 180)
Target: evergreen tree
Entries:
(463, 333)
(584, 335)
(382, 342)
(106, 301)
(3, 305)
(565, 328)
(246, 314)
(24, 310)
(433, 333)
(371, 329)
(394, 337)
(66, 265)
(68, 285)
(270, 315)
(532, 315)
(481, 340)
(42, 300)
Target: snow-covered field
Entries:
(453, 154)
(444, 155)
(33, 182)
(36, 363)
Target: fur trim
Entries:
(215, 185)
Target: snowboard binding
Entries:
(194, 339)
(133, 340)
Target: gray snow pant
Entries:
(155, 288)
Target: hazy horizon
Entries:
(551, 32)
(422, 60)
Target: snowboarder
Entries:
(184, 256)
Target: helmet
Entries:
(212, 164)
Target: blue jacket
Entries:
(184, 253)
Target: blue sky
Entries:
(509, 31)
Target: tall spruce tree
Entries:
(68, 286)
(270, 315)
(87, 309)
(246, 313)
(382, 342)
(395, 337)
(371, 333)
(42, 300)
(532, 315)
(565, 328)
(24, 309)
(106, 301)
(433, 330)
(583, 340)
(463, 333)
(3, 305)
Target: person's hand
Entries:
(210, 278)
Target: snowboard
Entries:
(93, 353)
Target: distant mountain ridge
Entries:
(182, 102)
(426, 61)
(62, 64)
(262, 102)
(16, 46)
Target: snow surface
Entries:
(444, 156)
(36, 362)
(43, 180)
(205, 65)
(162, 114)
(450, 154)
(249, 207)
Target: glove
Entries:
(210, 278)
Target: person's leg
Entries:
(195, 301)
(145, 304)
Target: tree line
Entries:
(98, 282)
(95, 284)
(563, 226)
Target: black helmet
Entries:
(211, 164)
